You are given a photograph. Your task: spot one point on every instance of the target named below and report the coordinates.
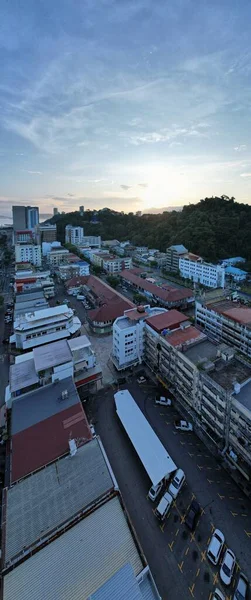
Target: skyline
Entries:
(131, 105)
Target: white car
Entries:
(183, 425)
(215, 546)
(218, 595)
(176, 483)
(227, 567)
(163, 401)
(141, 379)
(241, 590)
(155, 490)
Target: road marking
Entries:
(191, 589)
(167, 422)
(212, 527)
(243, 514)
(203, 555)
(208, 540)
(192, 539)
(221, 497)
(215, 578)
(210, 595)
(231, 497)
(171, 545)
(183, 443)
(200, 467)
(198, 572)
(182, 519)
(162, 527)
(210, 480)
(177, 532)
(191, 454)
(199, 455)
(234, 514)
(187, 550)
(180, 566)
(209, 468)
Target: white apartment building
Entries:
(211, 382)
(92, 241)
(30, 253)
(74, 235)
(201, 272)
(57, 256)
(128, 336)
(227, 322)
(114, 265)
(44, 326)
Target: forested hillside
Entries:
(214, 228)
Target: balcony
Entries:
(244, 450)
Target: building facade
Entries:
(224, 321)
(114, 265)
(44, 326)
(46, 233)
(32, 216)
(25, 217)
(28, 253)
(57, 256)
(173, 254)
(91, 241)
(74, 235)
(201, 272)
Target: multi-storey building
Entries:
(114, 265)
(46, 232)
(224, 321)
(81, 210)
(173, 254)
(74, 235)
(32, 216)
(201, 272)
(128, 336)
(57, 256)
(25, 217)
(66, 272)
(167, 296)
(211, 382)
(55, 211)
(29, 253)
(23, 235)
(91, 241)
(44, 326)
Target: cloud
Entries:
(34, 172)
(168, 134)
(245, 175)
(71, 195)
(240, 148)
(143, 185)
(126, 187)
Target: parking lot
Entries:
(176, 556)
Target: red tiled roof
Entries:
(166, 293)
(183, 336)
(167, 320)
(76, 281)
(47, 440)
(239, 314)
(108, 312)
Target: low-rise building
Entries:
(209, 380)
(235, 274)
(74, 235)
(91, 241)
(57, 256)
(32, 281)
(24, 235)
(167, 296)
(201, 272)
(30, 253)
(66, 272)
(128, 336)
(227, 322)
(109, 243)
(173, 255)
(114, 265)
(44, 326)
(228, 262)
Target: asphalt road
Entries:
(176, 557)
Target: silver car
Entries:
(241, 590)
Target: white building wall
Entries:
(28, 253)
(74, 235)
(204, 273)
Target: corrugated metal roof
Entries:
(122, 586)
(22, 375)
(149, 448)
(77, 563)
(42, 502)
(51, 355)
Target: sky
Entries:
(130, 104)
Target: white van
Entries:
(164, 506)
(215, 546)
(155, 490)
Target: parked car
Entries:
(177, 483)
(215, 546)
(164, 506)
(163, 401)
(155, 490)
(218, 595)
(241, 590)
(192, 515)
(141, 379)
(227, 567)
(183, 425)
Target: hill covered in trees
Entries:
(215, 227)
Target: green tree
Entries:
(96, 269)
(113, 281)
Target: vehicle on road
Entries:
(218, 595)
(164, 506)
(141, 379)
(155, 490)
(241, 590)
(80, 297)
(177, 483)
(163, 401)
(227, 567)
(183, 425)
(215, 546)
(192, 515)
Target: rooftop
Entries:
(166, 320)
(179, 248)
(124, 584)
(227, 374)
(56, 313)
(244, 396)
(185, 337)
(22, 375)
(43, 421)
(234, 271)
(203, 350)
(52, 497)
(238, 313)
(165, 293)
(91, 552)
(50, 355)
(79, 342)
(28, 296)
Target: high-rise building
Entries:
(81, 210)
(74, 235)
(25, 217)
(55, 211)
(46, 233)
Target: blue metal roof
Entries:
(179, 248)
(123, 585)
(234, 271)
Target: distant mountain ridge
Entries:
(158, 211)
